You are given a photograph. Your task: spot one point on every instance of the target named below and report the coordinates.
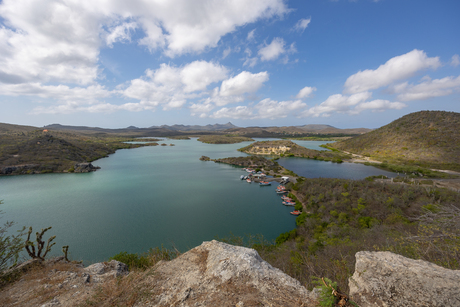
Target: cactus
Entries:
(30, 246)
(65, 250)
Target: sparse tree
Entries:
(10, 245)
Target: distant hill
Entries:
(426, 138)
(45, 150)
(315, 127)
(228, 128)
(215, 127)
(9, 128)
(295, 131)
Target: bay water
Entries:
(153, 196)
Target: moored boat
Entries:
(281, 192)
(296, 212)
(263, 183)
(286, 203)
(285, 198)
(248, 180)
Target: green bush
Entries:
(286, 236)
(132, 260)
(10, 246)
(326, 298)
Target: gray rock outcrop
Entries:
(100, 271)
(219, 274)
(387, 279)
(85, 168)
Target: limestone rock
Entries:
(219, 274)
(100, 271)
(387, 279)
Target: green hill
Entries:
(26, 151)
(426, 138)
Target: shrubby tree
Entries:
(10, 245)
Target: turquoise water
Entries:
(148, 197)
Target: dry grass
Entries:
(39, 285)
(122, 291)
(131, 289)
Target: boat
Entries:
(296, 212)
(262, 183)
(281, 187)
(285, 198)
(281, 192)
(288, 204)
(248, 180)
(242, 177)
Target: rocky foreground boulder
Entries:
(212, 274)
(390, 280)
(219, 274)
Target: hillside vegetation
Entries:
(43, 151)
(341, 217)
(426, 138)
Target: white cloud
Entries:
(455, 60)
(245, 82)
(305, 92)
(273, 50)
(302, 24)
(271, 109)
(47, 41)
(377, 105)
(251, 35)
(226, 52)
(171, 86)
(201, 109)
(397, 68)
(352, 105)
(121, 33)
(199, 74)
(265, 109)
(239, 112)
(251, 62)
(89, 94)
(59, 41)
(427, 88)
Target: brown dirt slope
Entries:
(426, 138)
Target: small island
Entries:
(223, 139)
(286, 148)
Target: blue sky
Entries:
(361, 63)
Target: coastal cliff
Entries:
(220, 274)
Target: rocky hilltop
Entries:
(219, 274)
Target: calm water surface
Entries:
(153, 196)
